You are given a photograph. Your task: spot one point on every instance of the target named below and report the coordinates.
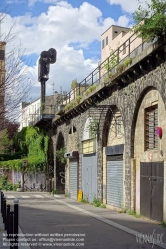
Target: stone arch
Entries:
(60, 165)
(138, 102)
(150, 97)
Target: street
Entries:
(47, 221)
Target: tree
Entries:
(14, 84)
(150, 20)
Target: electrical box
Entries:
(71, 154)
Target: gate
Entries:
(152, 190)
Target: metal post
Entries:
(129, 46)
(8, 220)
(11, 229)
(43, 95)
(4, 211)
(2, 203)
(16, 201)
(0, 197)
(53, 186)
(50, 185)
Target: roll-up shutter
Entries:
(115, 181)
(73, 178)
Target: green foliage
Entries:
(90, 89)
(5, 142)
(84, 201)
(53, 192)
(35, 141)
(60, 155)
(78, 99)
(6, 157)
(5, 185)
(74, 84)
(73, 104)
(127, 62)
(112, 61)
(93, 128)
(98, 203)
(132, 212)
(150, 20)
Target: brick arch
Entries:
(152, 82)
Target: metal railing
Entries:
(129, 49)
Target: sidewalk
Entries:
(141, 228)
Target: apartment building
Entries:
(31, 112)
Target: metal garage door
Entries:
(73, 178)
(89, 176)
(115, 181)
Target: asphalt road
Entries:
(46, 222)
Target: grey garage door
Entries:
(115, 181)
(89, 176)
(73, 179)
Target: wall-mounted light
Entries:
(159, 132)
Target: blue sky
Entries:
(72, 27)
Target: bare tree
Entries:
(14, 83)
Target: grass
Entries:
(98, 203)
(84, 201)
(132, 212)
(66, 195)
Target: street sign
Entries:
(24, 163)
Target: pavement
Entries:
(142, 229)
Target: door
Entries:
(115, 181)
(73, 179)
(89, 176)
(152, 190)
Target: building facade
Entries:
(114, 138)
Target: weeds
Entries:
(132, 212)
(98, 203)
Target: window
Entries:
(151, 122)
(119, 126)
(106, 41)
(102, 43)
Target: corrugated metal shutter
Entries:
(115, 181)
(73, 186)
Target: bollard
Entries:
(11, 229)
(53, 187)
(50, 185)
(8, 221)
(4, 211)
(0, 197)
(16, 212)
(2, 204)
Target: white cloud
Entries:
(128, 5)
(60, 27)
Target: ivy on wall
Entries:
(34, 142)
